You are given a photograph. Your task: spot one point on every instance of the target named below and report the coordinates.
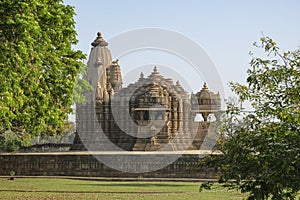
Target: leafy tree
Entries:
(261, 154)
(38, 67)
(81, 86)
(10, 141)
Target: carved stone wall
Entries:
(77, 164)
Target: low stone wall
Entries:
(87, 164)
(47, 147)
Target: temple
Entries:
(154, 113)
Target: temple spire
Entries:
(142, 75)
(99, 41)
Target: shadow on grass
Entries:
(132, 185)
(90, 192)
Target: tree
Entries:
(38, 67)
(261, 154)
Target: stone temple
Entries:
(147, 129)
(152, 114)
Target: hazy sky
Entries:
(226, 30)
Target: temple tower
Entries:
(207, 105)
(87, 120)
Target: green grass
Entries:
(45, 188)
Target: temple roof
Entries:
(154, 84)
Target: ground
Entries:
(45, 188)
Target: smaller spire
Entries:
(177, 83)
(142, 75)
(115, 62)
(155, 74)
(205, 86)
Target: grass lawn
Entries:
(45, 188)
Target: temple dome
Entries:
(205, 93)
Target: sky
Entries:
(225, 30)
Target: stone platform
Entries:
(91, 164)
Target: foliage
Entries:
(10, 141)
(38, 66)
(261, 154)
(81, 86)
(53, 132)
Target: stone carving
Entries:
(148, 114)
